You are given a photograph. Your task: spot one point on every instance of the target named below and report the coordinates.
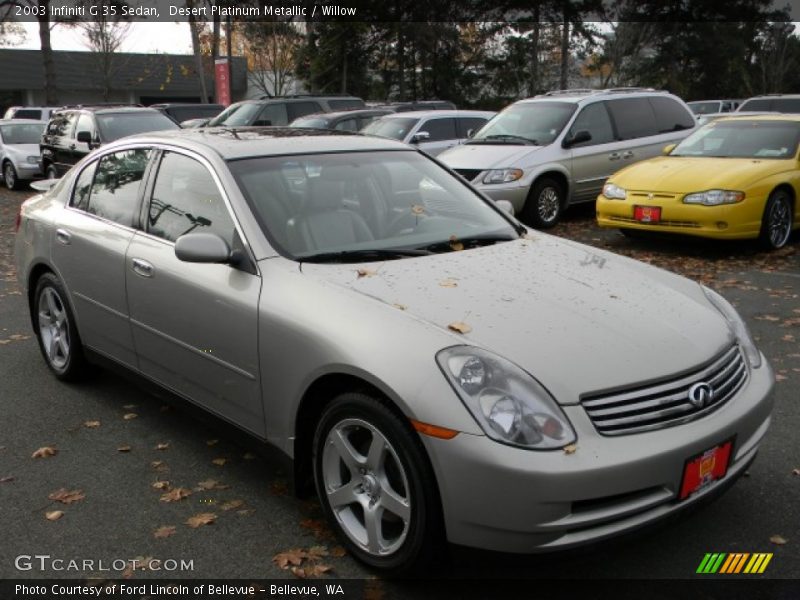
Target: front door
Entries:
(194, 325)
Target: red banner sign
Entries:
(222, 80)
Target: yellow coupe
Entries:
(735, 178)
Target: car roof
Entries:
(183, 105)
(439, 113)
(577, 96)
(330, 116)
(20, 121)
(761, 117)
(246, 142)
(108, 109)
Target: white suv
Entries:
(547, 152)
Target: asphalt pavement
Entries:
(115, 442)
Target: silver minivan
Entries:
(547, 152)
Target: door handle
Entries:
(614, 156)
(142, 267)
(628, 154)
(63, 236)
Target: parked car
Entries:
(735, 178)
(704, 119)
(281, 110)
(782, 103)
(545, 153)
(182, 112)
(349, 120)
(290, 281)
(706, 107)
(433, 131)
(35, 113)
(416, 105)
(75, 131)
(19, 151)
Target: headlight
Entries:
(502, 175)
(738, 326)
(34, 160)
(613, 192)
(509, 405)
(714, 197)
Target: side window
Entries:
(301, 109)
(272, 114)
(465, 124)
(787, 105)
(60, 124)
(757, 104)
(80, 194)
(633, 117)
(347, 125)
(364, 121)
(439, 129)
(186, 199)
(115, 192)
(670, 115)
(594, 119)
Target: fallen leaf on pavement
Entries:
(91, 424)
(8, 479)
(44, 452)
(211, 484)
(778, 540)
(175, 495)
(123, 448)
(129, 416)
(129, 406)
(164, 531)
(317, 552)
(278, 488)
(768, 318)
(311, 570)
(66, 496)
(459, 327)
(294, 556)
(53, 515)
(220, 461)
(779, 377)
(160, 485)
(161, 446)
(159, 465)
(338, 552)
(201, 519)
(212, 442)
(249, 456)
(795, 471)
(231, 504)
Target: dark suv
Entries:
(74, 131)
(281, 110)
(185, 111)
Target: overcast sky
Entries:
(172, 38)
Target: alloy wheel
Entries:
(779, 222)
(54, 328)
(548, 204)
(10, 176)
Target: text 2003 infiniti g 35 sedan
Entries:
(437, 372)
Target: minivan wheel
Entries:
(776, 224)
(10, 176)
(58, 337)
(544, 204)
(376, 486)
(51, 172)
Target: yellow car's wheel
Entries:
(776, 224)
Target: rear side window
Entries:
(633, 117)
(439, 129)
(186, 199)
(465, 124)
(670, 115)
(115, 190)
(786, 105)
(272, 114)
(594, 119)
(757, 104)
(28, 113)
(347, 125)
(83, 185)
(60, 124)
(300, 109)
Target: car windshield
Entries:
(527, 123)
(742, 139)
(310, 122)
(242, 113)
(393, 128)
(114, 126)
(366, 206)
(22, 133)
(705, 108)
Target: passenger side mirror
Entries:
(201, 247)
(505, 206)
(84, 137)
(577, 138)
(668, 149)
(420, 136)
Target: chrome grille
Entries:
(469, 174)
(665, 404)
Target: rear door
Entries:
(89, 249)
(194, 325)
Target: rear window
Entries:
(184, 113)
(670, 115)
(114, 126)
(28, 113)
(634, 117)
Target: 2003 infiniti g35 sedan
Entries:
(437, 372)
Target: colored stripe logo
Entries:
(734, 563)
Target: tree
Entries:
(194, 29)
(11, 34)
(271, 49)
(104, 37)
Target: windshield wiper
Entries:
(365, 255)
(468, 242)
(505, 138)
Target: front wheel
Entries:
(55, 329)
(376, 485)
(10, 176)
(776, 224)
(545, 204)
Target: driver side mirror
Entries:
(505, 206)
(85, 137)
(202, 247)
(420, 136)
(578, 137)
(668, 149)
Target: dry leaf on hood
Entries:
(66, 496)
(448, 283)
(366, 273)
(570, 449)
(53, 515)
(417, 209)
(455, 244)
(44, 452)
(201, 519)
(459, 327)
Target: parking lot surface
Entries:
(119, 453)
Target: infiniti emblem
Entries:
(700, 394)
(649, 196)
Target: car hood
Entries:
(682, 175)
(486, 156)
(579, 319)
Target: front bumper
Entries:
(513, 192)
(26, 171)
(502, 498)
(727, 221)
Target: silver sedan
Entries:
(432, 369)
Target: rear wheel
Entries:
(545, 204)
(10, 176)
(776, 224)
(55, 329)
(376, 485)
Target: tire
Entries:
(10, 176)
(397, 481)
(56, 331)
(545, 204)
(777, 221)
(51, 172)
